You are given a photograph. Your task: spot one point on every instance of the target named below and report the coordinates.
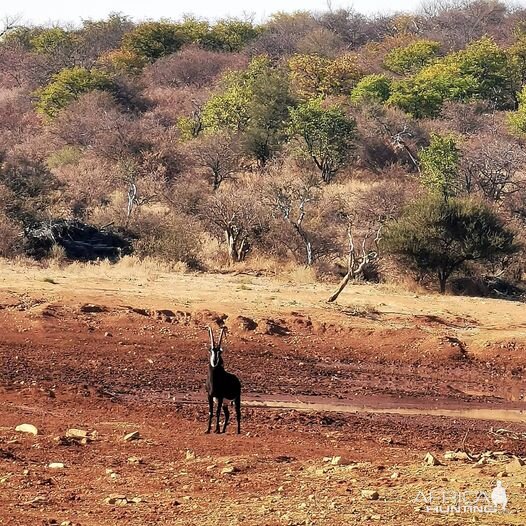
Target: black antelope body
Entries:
(221, 386)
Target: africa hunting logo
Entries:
(469, 501)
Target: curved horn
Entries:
(211, 334)
(221, 337)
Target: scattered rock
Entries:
(134, 435)
(121, 500)
(517, 464)
(431, 460)
(341, 461)
(229, 470)
(370, 494)
(27, 428)
(76, 433)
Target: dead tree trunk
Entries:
(237, 244)
(356, 263)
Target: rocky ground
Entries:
(341, 404)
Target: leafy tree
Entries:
(517, 119)
(313, 75)
(481, 71)
(230, 35)
(439, 164)
(50, 40)
(193, 30)
(437, 237)
(121, 61)
(424, 94)
(256, 102)
(268, 111)
(326, 135)
(228, 108)
(67, 85)
(372, 88)
(517, 57)
(411, 58)
(153, 40)
(491, 67)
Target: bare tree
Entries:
(8, 23)
(233, 213)
(218, 155)
(363, 216)
(494, 166)
(359, 258)
(291, 199)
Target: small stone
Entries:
(190, 455)
(187, 497)
(431, 460)
(56, 465)
(395, 475)
(501, 474)
(108, 334)
(370, 494)
(27, 428)
(211, 466)
(114, 499)
(135, 460)
(229, 470)
(341, 461)
(134, 435)
(517, 464)
(76, 433)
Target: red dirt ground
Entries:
(121, 355)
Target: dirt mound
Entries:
(272, 327)
(244, 324)
(208, 317)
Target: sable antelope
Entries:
(221, 385)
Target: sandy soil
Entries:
(380, 379)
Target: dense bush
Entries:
(285, 140)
